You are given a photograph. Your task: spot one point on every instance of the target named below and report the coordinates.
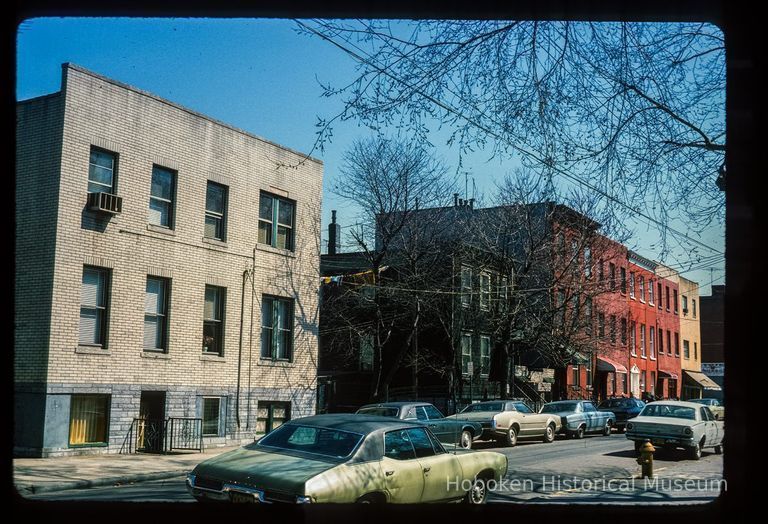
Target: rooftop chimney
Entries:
(334, 235)
(455, 200)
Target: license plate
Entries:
(658, 441)
(246, 498)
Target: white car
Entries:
(676, 424)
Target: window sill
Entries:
(643, 357)
(92, 350)
(89, 445)
(653, 358)
(212, 358)
(155, 355)
(276, 363)
(275, 250)
(215, 242)
(161, 229)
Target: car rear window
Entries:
(493, 406)
(555, 407)
(380, 411)
(667, 410)
(311, 439)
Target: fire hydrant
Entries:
(646, 459)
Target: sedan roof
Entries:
(352, 422)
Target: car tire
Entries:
(607, 428)
(579, 433)
(719, 450)
(511, 437)
(478, 493)
(694, 452)
(370, 498)
(465, 440)
(549, 434)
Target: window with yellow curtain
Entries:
(89, 419)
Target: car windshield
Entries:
(491, 406)
(380, 411)
(668, 410)
(705, 401)
(311, 439)
(615, 403)
(556, 407)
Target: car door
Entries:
(711, 432)
(527, 419)
(442, 471)
(591, 416)
(402, 470)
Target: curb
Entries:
(80, 484)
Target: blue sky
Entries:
(255, 74)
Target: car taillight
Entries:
(301, 499)
(688, 431)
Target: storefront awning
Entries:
(606, 364)
(702, 380)
(667, 374)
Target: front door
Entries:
(151, 423)
(402, 470)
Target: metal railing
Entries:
(163, 436)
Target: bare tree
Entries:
(635, 111)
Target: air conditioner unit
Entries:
(105, 203)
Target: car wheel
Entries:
(607, 428)
(719, 450)
(478, 493)
(370, 498)
(694, 452)
(579, 433)
(511, 439)
(549, 434)
(465, 441)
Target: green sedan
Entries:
(347, 458)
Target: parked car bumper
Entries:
(663, 440)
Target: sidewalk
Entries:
(38, 475)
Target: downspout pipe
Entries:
(240, 349)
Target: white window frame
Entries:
(485, 291)
(485, 360)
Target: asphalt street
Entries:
(595, 469)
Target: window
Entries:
(693, 303)
(466, 352)
(575, 256)
(88, 419)
(650, 292)
(652, 385)
(633, 337)
(674, 291)
(276, 328)
(397, 445)
(612, 275)
(588, 315)
(677, 345)
(624, 281)
(642, 340)
(631, 284)
(94, 307)
(667, 288)
(642, 381)
(503, 291)
(213, 320)
(276, 219)
(660, 297)
(422, 444)
(466, 286)
(661, 341)
(575, 375)
(588, 262)
(156, 314)
(432, 412)
(695, 351)
(601, 270)
(560, 306)
(485, 355)
(686, 349)
(641, 285)
(613, 329)
(161, 197)
(651, 341)
(588, 365)
(485, 291)
(623, 331)
(366, 352)
(601, 325)
(272, 415)
(216, 211)
(210, 416)
(669, 342)
(101, 171)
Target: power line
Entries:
(369, 61)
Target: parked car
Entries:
(677, 424)
(623, 408)
(578, 417)
(508, 420)
(715, 406)
(447, 430)
(347, 458)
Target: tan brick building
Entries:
(167, 266)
